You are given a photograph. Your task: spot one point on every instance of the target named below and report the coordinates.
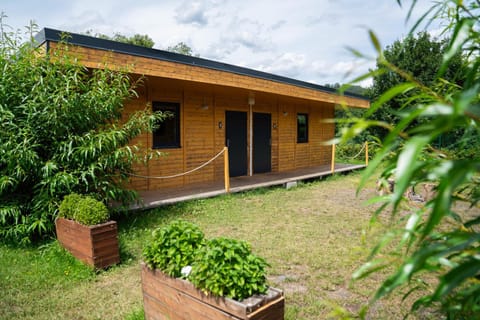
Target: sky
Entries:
(300, 39)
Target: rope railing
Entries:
(359, 152)
(364, 147)
(226, 169)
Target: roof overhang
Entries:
(98, 53)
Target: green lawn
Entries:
(314, 236)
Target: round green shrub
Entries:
(227, 267)
(83, 209)
(173, 247)
(68, 206)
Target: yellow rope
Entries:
(359, 152)
(180, 174)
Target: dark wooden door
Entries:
(262, 138)
(236, 141)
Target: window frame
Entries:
(302, 138)
(173, 107)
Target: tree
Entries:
(137, 39)
(182, 48)
(61, 132)
(433, 240)
(421, 57)
(343, 115)
(144, 41)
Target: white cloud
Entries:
(192, 12)
(288, 64)
(339, 68)
(248, 33)
(196, 13)
(304, 39)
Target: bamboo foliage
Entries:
(434, 249)
(61, 132)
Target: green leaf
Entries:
(473, 111)
(460, 35)
(370, 267)
(388, 95)
(457, 276)
(407, 269)
(407, 163)
(375, 42)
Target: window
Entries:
(167, 134)
(302, 127)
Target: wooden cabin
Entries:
(270, 123)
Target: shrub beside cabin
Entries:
(270, 123)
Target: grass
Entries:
(314, 236)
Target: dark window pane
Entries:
(167, 135)
(302, 127)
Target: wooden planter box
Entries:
(95, 245)
(177, 299)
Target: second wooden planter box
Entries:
(177, 299)
(95, 245)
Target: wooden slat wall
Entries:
(95, 58)
(293, 155)
(142, 140)
(201, 137)
(172, 162)
(198, 132)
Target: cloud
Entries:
(342, 71)
(248, 33)
(241, 38)
(303, 39)
(197, 12)
(277, 25)
(85, 20)
(287, 64)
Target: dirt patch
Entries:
(289, 283)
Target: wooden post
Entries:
(226, 170)
(366, 153)
(333, 158)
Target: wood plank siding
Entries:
(202, 128)
(94, 58)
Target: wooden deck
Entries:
(156, 198)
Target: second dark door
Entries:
(262, 138)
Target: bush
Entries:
(223, 267)
(350, 152)
(434, 246)
(227, 267)
(83, 209)
(61, 132)
(68, 206)
(173, 247)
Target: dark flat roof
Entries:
(48, 34)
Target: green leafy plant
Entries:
(61, 132)
(223, 267)
(83, 209)
(227, 267)
(431, 241)
(173, 247)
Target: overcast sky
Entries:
(301, 39)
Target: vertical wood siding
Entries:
(201, 137)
